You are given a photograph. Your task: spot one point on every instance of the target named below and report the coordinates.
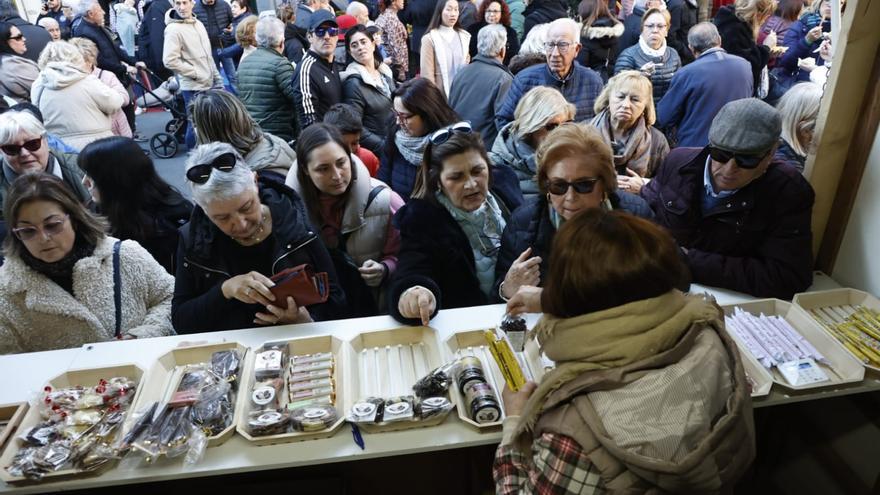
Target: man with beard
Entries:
(316, 85)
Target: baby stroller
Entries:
(167, 95)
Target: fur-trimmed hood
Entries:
(603, 28)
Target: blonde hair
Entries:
(815, 5)
(534, 42)
(799, 107)
(576, 140)
(754, 12)
(87, 48)
(664, 13)
(629, 79)
(537, 107)
(246, 32)
(60, 51)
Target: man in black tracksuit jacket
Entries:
(316, 85)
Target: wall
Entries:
(858, 262)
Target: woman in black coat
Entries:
(494, 12)
(599, 37)
(738, 25)
(542, 12)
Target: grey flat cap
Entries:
(747, 126)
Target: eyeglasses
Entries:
(15, 149)
(493, 11)
(51, 228)
(742, 161)
(201, 172)
(321, 31)
(563, 46)
(553, 125)
(444, 134)
(403, 116)
(18, 37)
(560, 187)
(655, 27)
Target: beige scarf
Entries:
(610, 339)
(636, 154)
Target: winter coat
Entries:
(395, 170)
(632, 29)
(265, 86)
(417, 13)
(118, 122)
(295, 43)
(36, 314)
(467, 14)
(60, 18)
(228, 38)
(316, 87)
(737, 39)
(633, 58)
(517, 17)
(216, 18)
(517, 155)
(199, 305)
(71, 175)
(303, 16)
(111, 55)
(785, 154)
(151, 38)
(777, 24)
(512, 45)
(433, 68)
(375, 107)
(599, 46)
(757, 241)
(580, 88)
(683, 15)
(17, 75)
(530, 227)
(478, 92)
(436, 254)
(76, 106)
(787, 73)
(542, 12)
(698, 91)
(37, 37)
(272, 154)
(168, 217)
(187, 53)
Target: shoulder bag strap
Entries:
(373, 193)
(117, 289)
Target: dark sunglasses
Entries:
(14, 149)
(742, 161)
(18, 37)
(201, 172)
(444, 134)
(324, 31)
(553, 125)
(560, 187)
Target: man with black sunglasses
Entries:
(742, 219)
(316, 84)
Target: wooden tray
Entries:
(165, 375)
(11, 415)
(758, 373)
(388, 363)
(295, 347)
(844, 368)
(473, 343)
(807, 301)
(31, 418)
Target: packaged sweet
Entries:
(310, 375)
(312, 393)
(320, 383)
(313, 366)
(431, 407)
(269, 362)
(311, 358)
(399, 409)
(313, 418)
(435, 383)
(369, 410)
(268, 422)
(226, 364)
(515, 328)
(314, 401)
(267, 394)
(213, 410)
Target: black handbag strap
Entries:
(117, 289)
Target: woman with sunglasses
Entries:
(625, 117)
(451, 228)
(575, 174)
(540, 111)
(65, 283)
(17, 73)
(651, 55)
(420, 109)
(245, 228)
(445, 46)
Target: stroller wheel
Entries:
(163, 145)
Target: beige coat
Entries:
(187, 53)
(433, 58)
(36, 314)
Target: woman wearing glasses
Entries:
(17, 73)
(245, 228)
(495, 12)
(625, 118)
(651, 56)
(444, 47)
(540, 111)
(575, 174)
(62, 275)
(451, 228)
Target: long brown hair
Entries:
(590, 10)
(600, 260)
(313, 136)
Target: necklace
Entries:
(258, 235)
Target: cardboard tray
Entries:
(758, 373)
(85, 377)
(844, 368)
(165, 375)
(388, 363)
(295, 347)
(11, 414)
(473, 343)
(807, 301)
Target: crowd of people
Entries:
(586, 161)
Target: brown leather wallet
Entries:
(302, 284)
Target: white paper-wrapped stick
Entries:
(764, 336)
(752, 344)
(808, 349)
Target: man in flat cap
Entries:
(742, 219)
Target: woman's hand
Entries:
(417, 302)
(250, 288)
(523, 271)
(514, 402)
(276, 315)
(648, 69)
(814, 34)
(631, 182)
(526, 300)
(373, 272)
(771, 40)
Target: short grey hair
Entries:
(82, 7)
(704, 36)
(355, 8)
(269, 32)
(47, 22)
(61, 52)
(14, 123)
(491, 40)
(572, 26)
(220, 185)
(534, 42)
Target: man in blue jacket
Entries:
(578, 84)
(699, 90)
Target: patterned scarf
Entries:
(411, 147)
(636, 152)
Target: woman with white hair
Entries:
(76, 106)
(540, 111)
(651, 55)
(89, 51)
(799, 108)
(245, 228)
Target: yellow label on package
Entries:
(506, 360)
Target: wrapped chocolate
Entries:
(270, 362)
(226, 365)
(369, 410)
(399, 409)
(268, 422)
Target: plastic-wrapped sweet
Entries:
(431, 407)
(226, 364)
(435, 383)
(399, 409)
(369, 410)
(313, 418)
(268, 422)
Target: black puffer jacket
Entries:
(295, 43)
(199, 305)
(151, 38)
(599, 46)
(216, 18)
(737, 39)
(375, 107)
(417, 13)
(542, 12)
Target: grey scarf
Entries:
(411, 147)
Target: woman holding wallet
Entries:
(245, 228)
